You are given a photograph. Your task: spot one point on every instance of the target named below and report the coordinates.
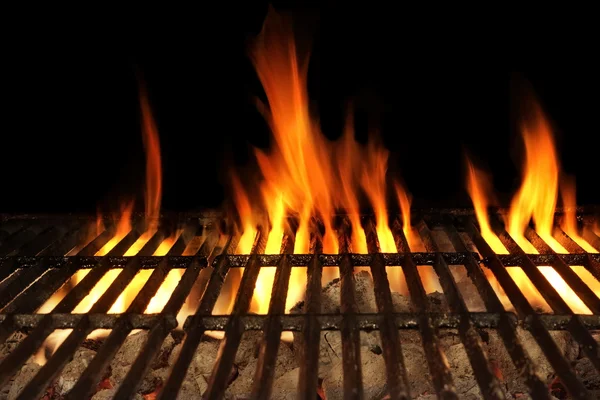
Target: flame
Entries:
(305, 175)
(535, 200)
(123, 227)
(404, 200)
(568, 194)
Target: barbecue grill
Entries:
(34, 267)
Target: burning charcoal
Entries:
(373, 372)
(27, 372)
(72, 371)
(108, 394)
(499, 356)
(587, 373)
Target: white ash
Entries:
(25, 374)
(11, 343)
(72, 371)
(125, 357)
(373, 373)
(246, 361)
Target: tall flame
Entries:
(123, 227)
(535, 200)
(305, 175)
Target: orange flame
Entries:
(123, 227)
(304, 175)
(535, 200)
(568, 193)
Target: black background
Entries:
(436, 81)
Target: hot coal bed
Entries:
(353, 337)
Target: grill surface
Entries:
(33, 267)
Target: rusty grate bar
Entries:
(397, 378)
(439, 368)
(486, 379)
(33, 267)
(538, 328)
(506, 326)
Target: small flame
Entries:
(123, 228)
(535, 200)
(412, 238)
(568, 194)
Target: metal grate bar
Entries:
(294, 322)
(19, 238)
(537, 326)
(353, 385)
(151, 245)
(159, 331)
(8, 228)
(35, 295)
(43, 240)
(397, 379)
(55, 364)
(93, 373)
(97, 243)
(552, 297)
(436, 359)
(582, 290)
(180, 244)
(576, 326)
(12, 286)
(311, 332)
(506, 327)
(62, 245)
(592, 265)
(233, 331)
(47, 324)
(35, 338)
(591, 237)
(489, 384)
(269, 346)
(195, 328)
(128, 241)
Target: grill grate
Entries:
(33, 267)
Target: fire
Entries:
(305, 175)
(535, 200)
(123, 227)
(568, 193)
